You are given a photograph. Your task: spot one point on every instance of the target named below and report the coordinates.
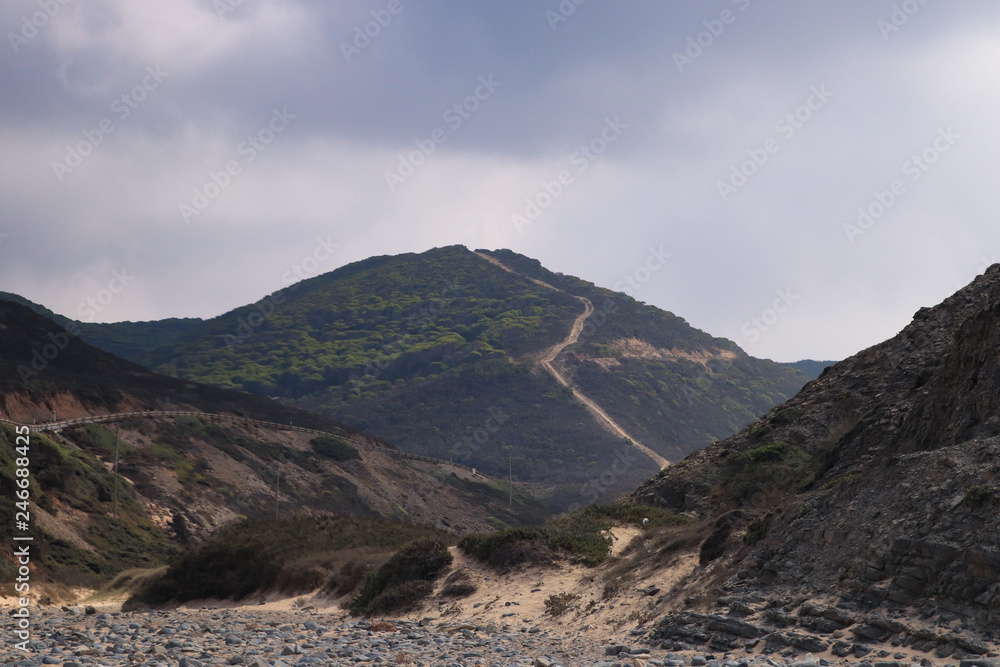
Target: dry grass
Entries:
(458, 585)
(656, 549)
(557, 605)
(127, 583)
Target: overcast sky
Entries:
(203, 150)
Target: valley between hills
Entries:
(851, 521)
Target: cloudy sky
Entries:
(816, 171)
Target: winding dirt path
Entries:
(547, 357)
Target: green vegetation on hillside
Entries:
(391, 565)
(291, 556)
(434, 353)
(403, 580)
(65, 477)
(582, 536)
(371, 325)
(674, 399)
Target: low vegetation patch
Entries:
(770, 452)
(458, 585)
(976, 495)
(557, 605)
(334, 449)
(508, 548)
(77, 479)
(758, 477)
(582, 536)
(404, 580)
(288, 555)
(757, 529)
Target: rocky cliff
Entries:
(874, 489)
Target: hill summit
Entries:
(483, 357)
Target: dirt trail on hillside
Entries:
(547, 357)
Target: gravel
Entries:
(259, 638)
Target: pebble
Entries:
(251, 637)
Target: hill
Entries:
(183, 476)
(810, 367)
(441, 353)
(874, 489)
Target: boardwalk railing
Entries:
(164, 414)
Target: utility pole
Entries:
(510, 479)
(277, 481)
(115, 510)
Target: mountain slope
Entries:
(810, 367)
(876, 485)
(183, 476)
(675, 387)
(438, 353)
(547, 358)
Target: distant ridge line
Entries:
(162, 414)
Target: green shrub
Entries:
(634, 513)
(403, 580)
(757, 529)
(398, 598)
(334, 448)
(976, 495)
(257, 555)
(557, 605)
(506, 549)
(581, 535)
(772, 452)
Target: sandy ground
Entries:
(517, 599)
(514, 599)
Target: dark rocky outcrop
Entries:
(876, 485)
